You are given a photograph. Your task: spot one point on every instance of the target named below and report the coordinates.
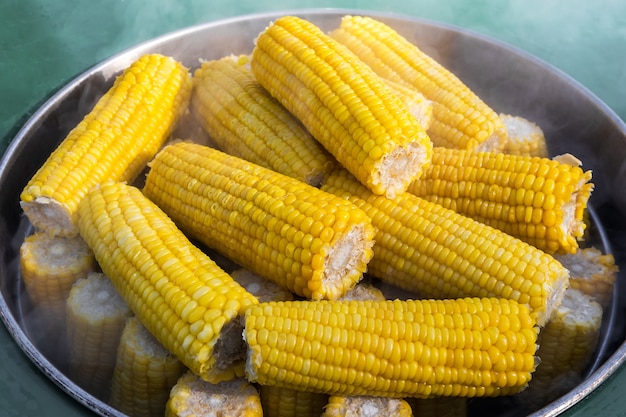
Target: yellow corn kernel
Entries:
(538, 200)
(179, 294)
(524, 137)
(313, 243)
(96, 315)
(246, 121)
(466, 347)
(362, 405)
(114, 141)
(420, 107)
(263, 289)
(145, 372)
(591, 272)
(343, 103)
(50, 265)
(191, 396)
(288, 402)
(460, 118)
(566, 345)
(436, 252)
(439, 407)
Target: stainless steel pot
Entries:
(508, 79)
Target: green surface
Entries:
(44, 44)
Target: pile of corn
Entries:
(337, 158)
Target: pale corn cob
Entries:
(592, 272)
(538, 200)
(439, 407)
(436, 252)
(262, 288)
(246, 121)
(96, 315)
(364, 291)
(145, 372)
(465, 347)
(313, 243)
(343, 103)
(178, 293)
(523, 137)
(194, 397)
(114, 141)
(420, 107)
(460, 118)
(356, 406)
(566, 344)
(50, 265)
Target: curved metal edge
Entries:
(591, 383)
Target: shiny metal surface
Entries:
(509, 80)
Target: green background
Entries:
(44, 44)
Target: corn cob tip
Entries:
(49, 215)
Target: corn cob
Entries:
(178, 293)
(288, 402)
(524, 137)
(460, 118)
(419, 106)
(436, 252)
(50, 265)
(364, 291)
(263, 289)
(465, 347)
(566, 344)
(343, 103)
(439, 407)
(145, 372)
(591, 272)
(246, 121)
(339, 406)
(96, 315)
(114, 141)
(313, 243)
(538, 200)
(191, 396)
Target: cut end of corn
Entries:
(524, 137)
(50, 215)
(366, 406)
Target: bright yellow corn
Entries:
(96, 315)
(50, 265)
(591, 272)
(436, 252)
(145, 372)
(114, 141)
(288, 402)
(193, 397)
(420, 107)
(343, 103)
(439, 407)
(538, 200)
(362, 405)
(178, 293)
(246, 121)
(309, 241)
(460, 118)
(524, 137)
(566, 345)
(262, 288)
(467, 347)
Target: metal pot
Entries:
(508, 79)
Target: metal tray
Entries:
(508, 79)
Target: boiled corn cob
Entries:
(289, 402)
(436, 252)
(524, 137)
(193, 397)
(420, 107)
(50, 265)
(263, 289)
(591, 272)
(439, 407)
(460, 118)
(145, 372)
(465, 347)
(96, 315)
(114, 141)
(566, 344)
(343, 103)
(246, 121)
(362, 405)
(364, 291)
(309, 241)
(178, 293)
(538, 200)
